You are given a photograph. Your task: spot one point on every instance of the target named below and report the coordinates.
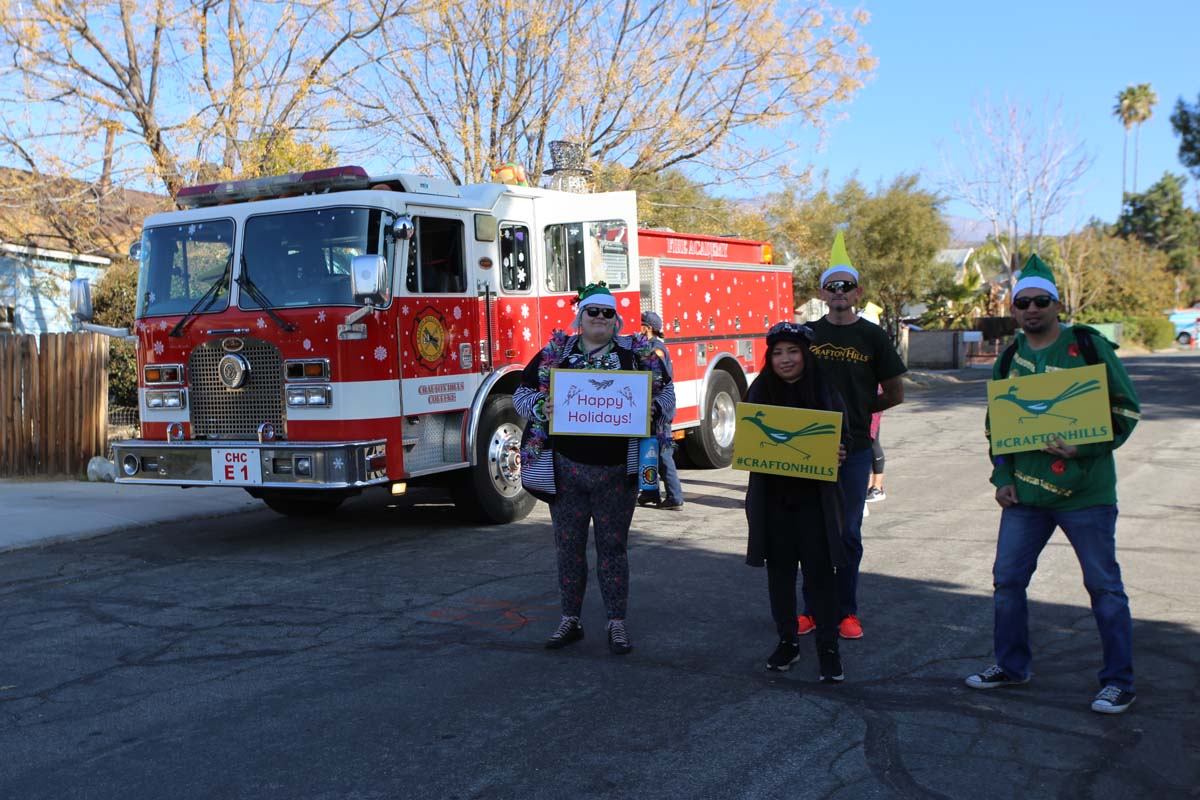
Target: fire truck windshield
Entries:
(182, 264)
(303, 258)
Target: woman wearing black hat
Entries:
(797, 521)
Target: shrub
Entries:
(114, 302)
(1156, 333)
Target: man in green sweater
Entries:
(1073, 487)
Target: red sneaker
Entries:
(805, 624)
(850, 628)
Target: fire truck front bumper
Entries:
(282, 465)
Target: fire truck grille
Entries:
(219, 412)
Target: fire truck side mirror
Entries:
(367, 276)
(81, 300)
(403, 229)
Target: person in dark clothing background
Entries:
(652, 330)
(797, 521)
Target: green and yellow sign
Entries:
(780, 440)
(1027, 413)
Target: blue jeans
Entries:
(853, 478)
(1024, 531)
(670, 476)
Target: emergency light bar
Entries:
(296, 183)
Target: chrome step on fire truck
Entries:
(307, 336)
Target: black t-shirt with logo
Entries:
(856, 358)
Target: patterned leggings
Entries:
(601, 494)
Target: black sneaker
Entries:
(648, 499)
(1112, 700)
(784, 656)
(831, 666)
(670, 506)
(992, 678)
(618, 637)
(569, 631)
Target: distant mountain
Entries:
(965, 232)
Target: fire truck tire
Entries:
(303, 504)
(491, 491)
(710, 444)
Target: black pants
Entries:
(797, 537)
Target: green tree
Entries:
(1144, 101)
(114, 303)
(893, 239)
(1159, 219)
(1124, 111)
(1186, 123)
(953, 304)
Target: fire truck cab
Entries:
(306, 336)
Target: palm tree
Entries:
(1145, 99)
(1124, 111)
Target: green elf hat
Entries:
(595, 294)
(1036, 275)
(839, 260)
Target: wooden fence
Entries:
(53, 403)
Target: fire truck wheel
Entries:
(491, 491)
(710, 444)
(303, 504)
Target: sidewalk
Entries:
(45, 511)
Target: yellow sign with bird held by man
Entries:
(781, 440)
(1031, 412)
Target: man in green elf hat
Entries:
(858, 357)
(1073, 487)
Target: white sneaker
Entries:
(866, 512)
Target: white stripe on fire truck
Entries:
(354, 400)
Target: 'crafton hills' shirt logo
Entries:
(832, 352)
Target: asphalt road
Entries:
(393, 652)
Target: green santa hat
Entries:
(595, 294)
(839, 260)
(1036, 275)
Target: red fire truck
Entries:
(309, 335)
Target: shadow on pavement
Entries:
(395, 653)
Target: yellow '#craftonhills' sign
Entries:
(780, 440)
(1027, 413)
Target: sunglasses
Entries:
(790, 329)
(845, 287)
(595, 311)
(1041, 301)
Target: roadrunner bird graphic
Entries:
(627, 393)
(600, 384)
(1041, 408)
(574, 390)
(780, 436)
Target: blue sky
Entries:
(938, 59)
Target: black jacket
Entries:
(830, 492)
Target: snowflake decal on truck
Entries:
(457, 312)
(158, 348)
(380, 353)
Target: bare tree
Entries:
(1022, 171)
(184, 83)
(476, 83)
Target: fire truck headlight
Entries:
(303, 466)
(295, 396)
(130, 464)
(166, 398)
(317, 395)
